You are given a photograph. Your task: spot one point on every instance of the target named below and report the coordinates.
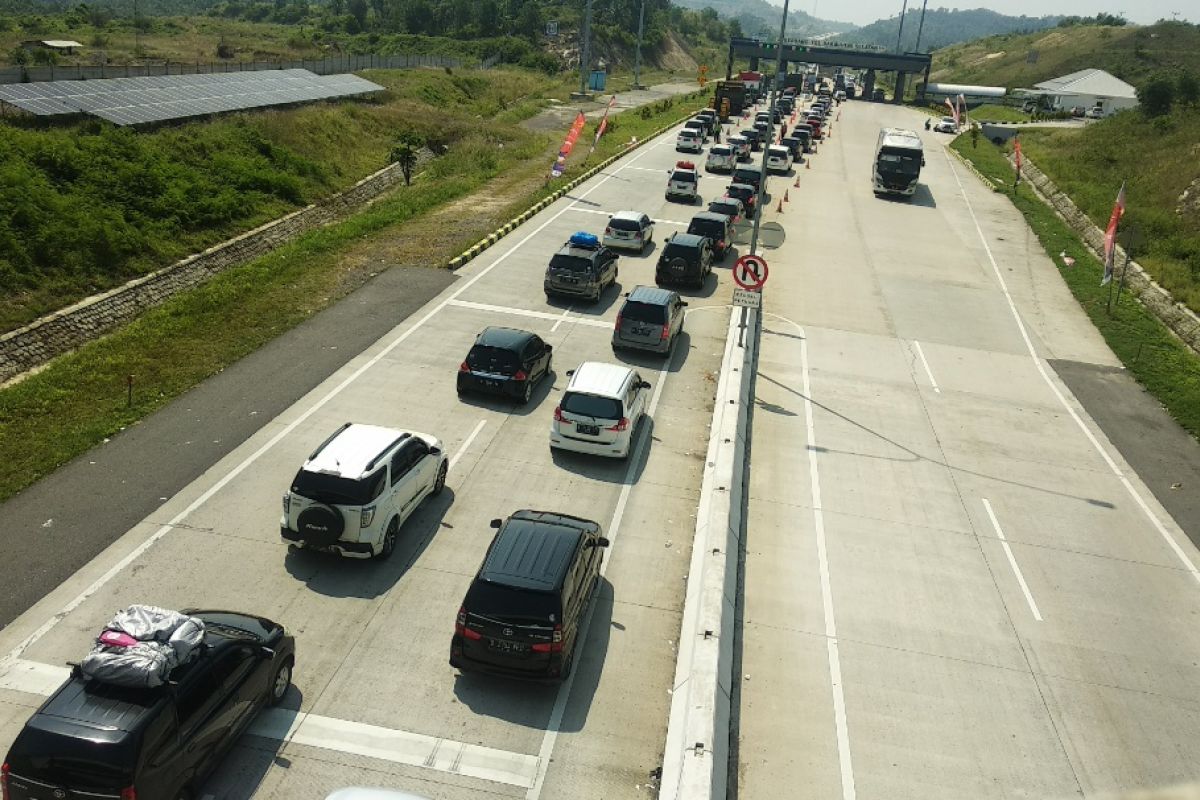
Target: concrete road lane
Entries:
(375, 701)
(955, 585)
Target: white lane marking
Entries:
(343, 736)
(928, 371)
(1037, 362)
(652, 219)
(563, 318)
(831, 642)
(648, 169)
(564, 691)
(1012, 560)
(466, 443)
(525, 312)
(237, 470)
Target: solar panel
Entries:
(135, 101)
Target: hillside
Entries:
(943, 27)
(758, 17)
(1130, 53)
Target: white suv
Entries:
(600, 410)
(357, 489)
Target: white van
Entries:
(600, 410)
(689, 140)
(721, 158)
(779, 158)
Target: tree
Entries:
(358, 10)
(1157, 95)
(1187, 89)
(405, 152)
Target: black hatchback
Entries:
(523, 613)
(685, 258)
(506, 362)
(717, 227)
(97, 740)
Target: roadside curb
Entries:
(967, 163)
(696, 756)
(508, 227)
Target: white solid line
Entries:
(831, 642)
(1037, 362)
(466, 443)
(524, 312)
(648, 169)
(164, 529)
(1012, 560)
(928, 371)
(564, 692)
(565, 312)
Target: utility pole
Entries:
(920, 28)
(585, 50)
(637, 65)
(903, 13)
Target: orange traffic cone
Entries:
(785, 196)
(797, 183)
(807, 164)
(780, 209)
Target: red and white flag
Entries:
(1017, 153)
(962, 104)
(1110, 235)
(603, 124)
(560, 163)
(953, 110)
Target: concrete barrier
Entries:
(696, 757)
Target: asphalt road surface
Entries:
(375, 701)
(956, 586)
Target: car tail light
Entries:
(618, 321)
(463, 367)
(608, 231)
(637, 234)
(558, 417)
(460, 626)
(666, 332)
(129, 793)
(622, 424)
(287, 503)
(4, 770)
(520, 376)
(721, 244)
(552, 646)
(366, 517)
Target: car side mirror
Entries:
(644, 385)
(683, 302)
(549, 348)
(266, 652)
(600, 541)
(570, 372)
(496, 523)
(435, 451)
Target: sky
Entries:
(1142, 12)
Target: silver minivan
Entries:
(651, 319)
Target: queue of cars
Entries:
(523, 612)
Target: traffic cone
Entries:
(780, 209)
(807, 164)
(785, 196)
(797, 183)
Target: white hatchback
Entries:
(600, 410)
(721, 158)
(689, 141)
(779, 158)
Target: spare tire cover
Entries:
(320, 525)
(678, 266)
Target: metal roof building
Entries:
(1088, 88)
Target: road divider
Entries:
(696, 757)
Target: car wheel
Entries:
(527, 395)
(390, 537)
(568, 665)
(280, 682)
(440, 482)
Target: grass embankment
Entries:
(995, 113)
(1158, 158)
(1156, 359)
(80, 399)
(1132, 53)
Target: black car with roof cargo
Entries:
(93, 740)
(505, 361)
(523, 613)
(583, 267)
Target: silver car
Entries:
(631, 230)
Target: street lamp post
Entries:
(920, 28)
(637, 65)
(903, 13)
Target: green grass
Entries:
(80, 399)
(1168, 369)
(994, 113)
(1158, 159)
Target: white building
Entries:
(1088, 88)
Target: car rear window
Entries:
(719, 150)
(590, 405)
(707, 227)
(483, 357)
(619, 224)
(644, 312)
(750, 176)
(728, 209)
(510, 604)
(684, 177)
(338, 490)
(78, 763)
(569, 263)
(673, 250)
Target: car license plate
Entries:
(590, 430)
(505, 646)
(490, 382)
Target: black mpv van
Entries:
(94, 741)
(522, 615)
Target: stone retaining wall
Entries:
(1180, 319)
(69, 328)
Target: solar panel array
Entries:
(136, 101)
